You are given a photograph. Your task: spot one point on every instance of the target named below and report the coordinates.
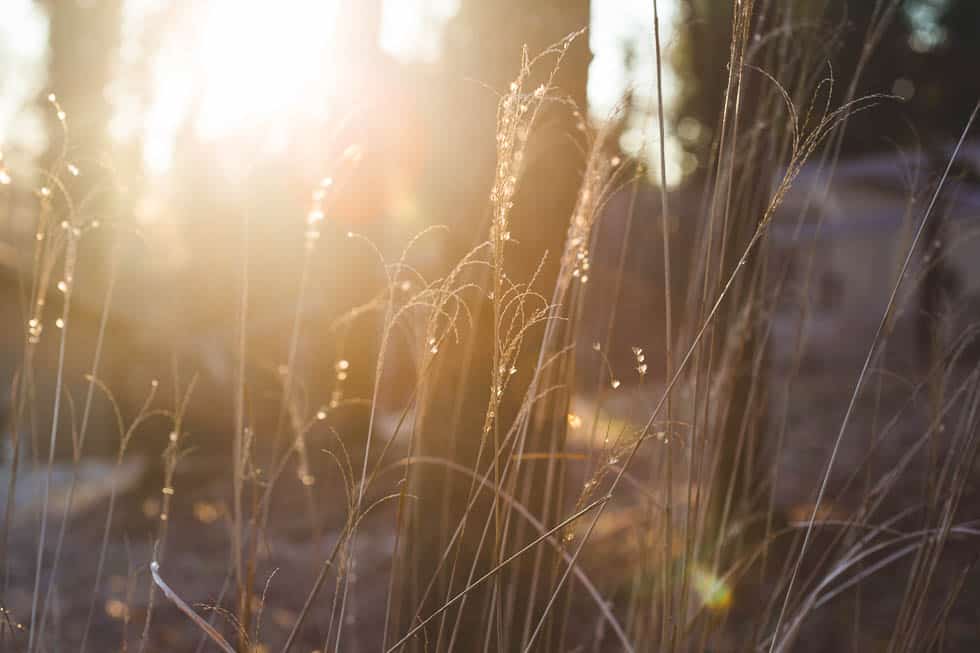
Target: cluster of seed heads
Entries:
(342, 366)
(595, 182)
(640, 358)
(53, 99)
(515, 116)
(8, 618)
(341, 369)
(34, 329)
(581, 269)
(316, 213)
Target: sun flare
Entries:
(226, 67)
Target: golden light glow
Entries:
(115, 608)
(714, 593)
(261, 61)
(226, 67)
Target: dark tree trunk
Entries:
(484, 43)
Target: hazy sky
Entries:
(23, 70)
(206, 63)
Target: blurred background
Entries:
(205, 112)
(189, 135)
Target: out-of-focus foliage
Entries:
(923, 53)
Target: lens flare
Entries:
(714, 593)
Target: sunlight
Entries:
(411, 29)
(620, 37)
(261, 61)
(225, 67)
(228, 69)
(23, 64)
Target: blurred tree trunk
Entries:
(733, 424)
(84, 38)
(484, 47)
(738, 335)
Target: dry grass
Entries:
(636, 540)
